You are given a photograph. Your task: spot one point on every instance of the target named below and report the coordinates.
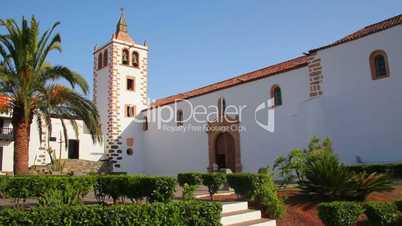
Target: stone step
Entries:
(258, 222)
(234, 206)
(240, 216)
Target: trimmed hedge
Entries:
(152, 188)
(244, 184)
(160, 189)
(189, 178)
(213, 181)
(23, 187)
(173, 213)
(394, 170)
(340, 213)
(381, 213)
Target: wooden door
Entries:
(224, 151)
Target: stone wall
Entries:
(75, 167)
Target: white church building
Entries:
(350, 91)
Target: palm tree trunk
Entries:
(21, 145)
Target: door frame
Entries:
(225, 124)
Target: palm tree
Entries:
(37, 90)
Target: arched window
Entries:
(221, 106)
(124, 57)
(179, 117)
(100, 61)
(105, 55)
(277, 95)
(379, 65)
(130, 151)
(135, 59)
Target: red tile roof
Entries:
(248, 77)
(368, 30)
(277, 68)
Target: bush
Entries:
(399, 204)
(173, 213)
(73, 188)
(260, 188)
(365, 183)
(381, 213)
(242, 183)
(340, 213)
(160, 189)
(324, 175)
(189, 178)
(188, 191)
(115, 186)
(213, 181)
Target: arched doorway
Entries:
(225, 151)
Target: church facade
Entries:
(349, 91)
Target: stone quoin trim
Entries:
(315, 75)
(113, 122)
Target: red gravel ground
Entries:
(302, 210)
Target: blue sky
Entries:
(194, 43)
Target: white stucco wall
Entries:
(37, 151)
(170, 152)
(361, 115)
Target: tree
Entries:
(37, 90)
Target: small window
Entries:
(276, 94)
(221, 106)
(130, 84)
(179, 117)
(124, 57)
(379, 65)
(145, 124)
(53, 139)
(100, 61)
(135, 59)
(130, 151)
(130, 111)
(105, 56)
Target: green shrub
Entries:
(3, 185)
(189, 178)
(260, 188)
(172, 213)
(398, 204)
(381, 213)
(113, 186)
(242, 183)
(19, 188)
(68, 195)
(213, 181)
(188, 191)
(159, 189)
(340, 213)
(266, 194)
(324, 175)
(365, 183)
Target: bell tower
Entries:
(120, 90)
